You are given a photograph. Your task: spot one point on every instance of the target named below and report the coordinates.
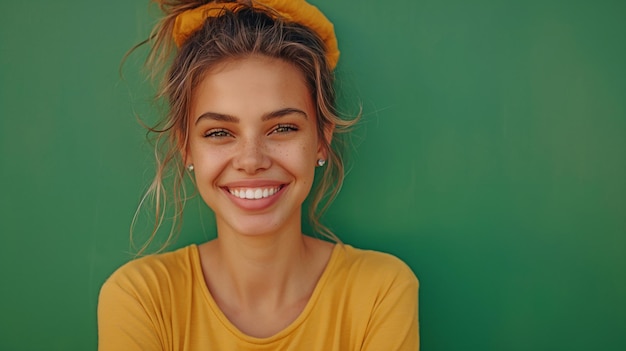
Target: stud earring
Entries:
(190, 167)
(321, 162)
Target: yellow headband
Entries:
(299, 11)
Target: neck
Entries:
(262, 283)
(265, 269)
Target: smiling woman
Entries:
(268, 143)
(251, 116)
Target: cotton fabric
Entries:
(364, 300)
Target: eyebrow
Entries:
(266, 117)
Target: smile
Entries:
(254, 193)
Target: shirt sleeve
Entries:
(124, 320)
(394, 324)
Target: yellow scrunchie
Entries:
(298, 11)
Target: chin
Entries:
(260, 226)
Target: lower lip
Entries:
(255, 204)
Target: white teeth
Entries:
(253, 193)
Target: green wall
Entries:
(491, 157)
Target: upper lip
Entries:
(252, 183)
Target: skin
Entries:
(253, 130)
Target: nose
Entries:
(251, 156)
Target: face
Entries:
(254, 145)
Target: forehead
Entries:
(251, 85)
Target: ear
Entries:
(183, 148)
(325, 140)
(185, 155)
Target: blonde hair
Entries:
(239, 33)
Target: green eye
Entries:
(216, 133)
(285, 128)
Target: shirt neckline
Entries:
(217, 312)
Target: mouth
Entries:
(254, 193)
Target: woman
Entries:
(252, 115)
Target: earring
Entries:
(321, 162)
(190, 167)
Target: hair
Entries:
(235, 34)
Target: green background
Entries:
(491, 157)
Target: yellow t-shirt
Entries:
(364, 300)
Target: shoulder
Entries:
(380, 291)
(142, 299)
(375, 262)
(374, 268)
(153, 273)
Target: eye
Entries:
(284, 128)
(217, 133)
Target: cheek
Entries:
(300, 156)
(208, 163)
